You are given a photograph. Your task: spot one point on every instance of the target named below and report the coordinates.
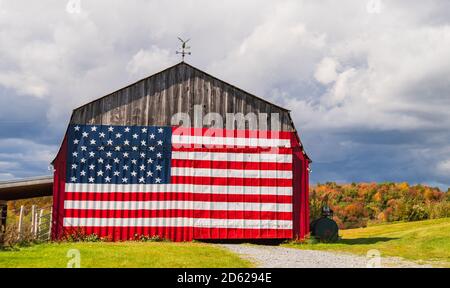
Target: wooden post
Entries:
(33, 215)
(50, 222)
(41, 215)
(3, 215)
(19, 228)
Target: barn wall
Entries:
(154, 100)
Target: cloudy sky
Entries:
(368, 81)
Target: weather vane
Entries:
(184, 48)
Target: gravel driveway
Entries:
(282, 257)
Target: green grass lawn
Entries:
(422, 241)
(125, 254)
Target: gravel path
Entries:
(282, 257)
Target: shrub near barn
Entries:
(358, 204)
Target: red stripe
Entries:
(176, 196)
(181, 233)
(231, 165)
(173, 213)
(267, 182)
(232, 133)
(222, 149)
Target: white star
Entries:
(127, 129)
(149, 174)
(91, 154)
(100, 173)
(107, 179)
(74, 179)
(126, 142)
(117, 148)
(152, 136)
(160, 142)
(77, 128)
(133, 173)
(125, 154)
(76, 141)
(134, 161)
(101, 135)
(142, 180)
(91, 167)
(83, 148)
(160, 130)
(101, 148)
(110, 129)
(85, 134)
(75, 154)
(100, 160)
(93, 142)
(83, 160)
(144, 130)
(142, 155)
(116, 173)
(118, 135)
(158, 180)
(150, 160)
(91, 179)
(109, 142)
(142, 167)
(135, 148)
(124, 180)
(143, 143)
(116, 160)
(159, 155)
(109, 154)
(108, 167)
(74, 166)
(152, 148)
(135, 136)
(158, 167)
(125, 167)
(93, 129)
(83, 173)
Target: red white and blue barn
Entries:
(125, 169)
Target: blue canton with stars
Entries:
(103, 154)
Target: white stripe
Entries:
(230, 173)
(182, 205)
(178, 222)
(238, 157)
(187, 188)
(230, 141)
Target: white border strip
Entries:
(182, 188)
(182, 205)
(178, 222)
(235, 157)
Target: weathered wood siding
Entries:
(154, 100)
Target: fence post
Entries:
(3, 215)
(50, 222)
(19, 228)
(33, 214)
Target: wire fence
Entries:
(27, 224)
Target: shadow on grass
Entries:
(362, 241)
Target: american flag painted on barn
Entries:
(177, 183)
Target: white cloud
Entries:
(153, 59)
(326, 71)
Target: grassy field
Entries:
(127, 254)
(422, 241)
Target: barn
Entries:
(181, 155)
